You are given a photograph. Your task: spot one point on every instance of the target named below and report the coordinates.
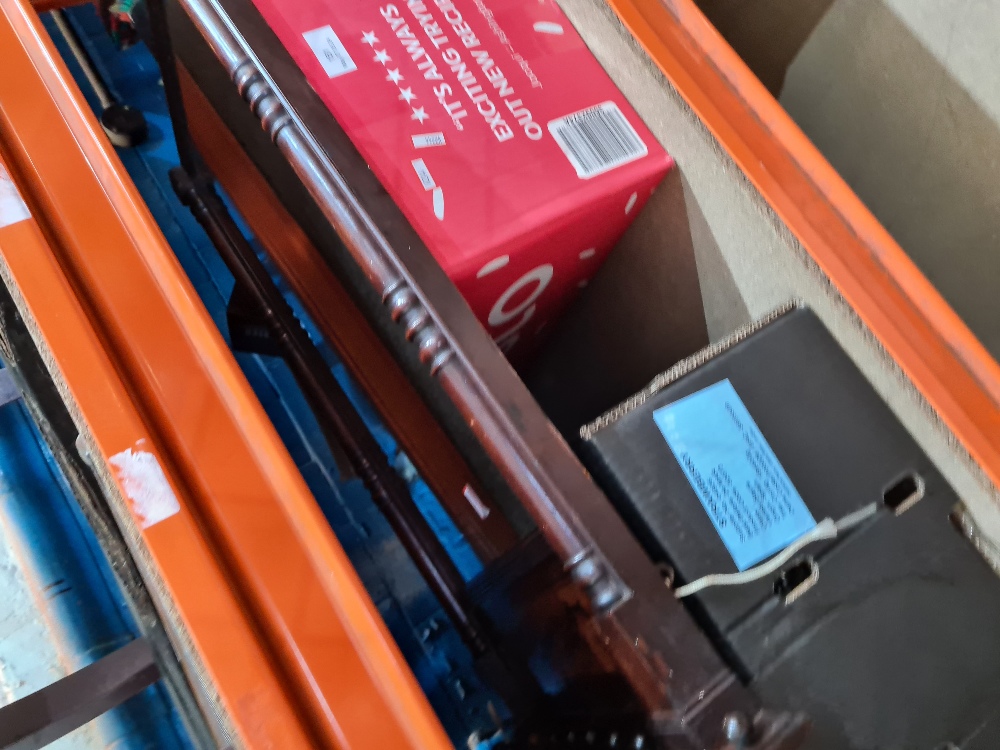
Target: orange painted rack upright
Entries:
(246, 566)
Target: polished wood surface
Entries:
(633, 618)
(348, 331)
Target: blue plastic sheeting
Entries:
(62, 607)
(433, 649)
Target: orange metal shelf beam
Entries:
(290, 640)
(918, 329)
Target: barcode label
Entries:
(597, 139)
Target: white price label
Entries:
(12, 208)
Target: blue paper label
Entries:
(744, 489)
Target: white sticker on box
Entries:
(330, 51)
(12, 207)
(423, 174)
(428, 140)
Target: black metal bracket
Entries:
(56, 710)
(248, 329)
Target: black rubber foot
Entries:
(125, 126)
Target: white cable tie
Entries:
(825, 529)
(853, 519)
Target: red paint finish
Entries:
(467, 113)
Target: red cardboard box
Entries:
(494, 129)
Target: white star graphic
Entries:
(418, 114)
(407, 95)
(394, 75)
(369, 38)
(382, 56)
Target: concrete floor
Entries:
(60, 608)
(903, 98)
